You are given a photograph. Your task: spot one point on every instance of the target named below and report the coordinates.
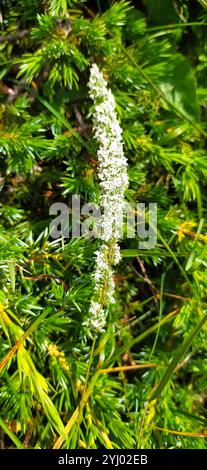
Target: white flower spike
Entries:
(112, 174)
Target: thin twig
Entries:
(13, 37)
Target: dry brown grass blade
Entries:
(112, 370)
(182, 433)
(17, 345)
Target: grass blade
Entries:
(10, 433)
(147, 332)
(178, 356)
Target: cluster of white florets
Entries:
(112, 169)
(112, 174)
(103, 275)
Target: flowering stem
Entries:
(113, 180)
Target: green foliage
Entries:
(58, 384)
